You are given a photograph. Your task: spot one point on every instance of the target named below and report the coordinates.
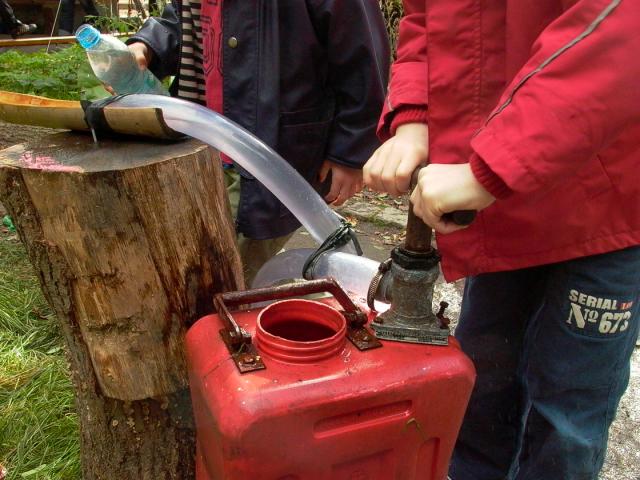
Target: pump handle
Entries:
(461, 217)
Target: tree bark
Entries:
(130, 240)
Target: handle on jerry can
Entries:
(238, 341)
(353, 314)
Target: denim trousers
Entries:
(552, 348)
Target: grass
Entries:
(38, 423)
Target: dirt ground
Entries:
(623, 458)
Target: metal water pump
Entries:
(407, 280)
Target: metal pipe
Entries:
(418, 238)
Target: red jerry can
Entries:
(286, 393)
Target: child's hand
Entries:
(345, 182)
(446, 188)
(142, 54)
(390, 168)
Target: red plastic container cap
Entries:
(300, 331)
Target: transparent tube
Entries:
(250, 153)
(354, 273)
(284, 266)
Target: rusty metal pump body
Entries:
(409, 284)
(411, 317)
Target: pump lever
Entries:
(461, 217)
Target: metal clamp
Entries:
(372, 292)
(338, 239)
(238, 341)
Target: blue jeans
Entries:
(552, 348)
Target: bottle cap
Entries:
(87, 36)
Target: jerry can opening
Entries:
(300, 330)
(301, 320)
(293, 330)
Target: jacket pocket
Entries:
(304, 116)
(302, 140)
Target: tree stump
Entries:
(130, 240)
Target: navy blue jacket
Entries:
(308, 77)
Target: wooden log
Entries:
(130, 240)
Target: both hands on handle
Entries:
(446, 196)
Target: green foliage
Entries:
(63, 74)
(53, 75)
(116, 24)
(39, 437)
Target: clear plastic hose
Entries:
(250, 153)
(354, 273)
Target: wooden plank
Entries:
(35, 41)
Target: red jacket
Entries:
(543, 98)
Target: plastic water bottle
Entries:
(115, 65)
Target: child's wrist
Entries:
(408, 114)
(416, 134)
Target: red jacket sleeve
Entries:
(409, 78)
(572, 99)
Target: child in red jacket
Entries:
(530, 115)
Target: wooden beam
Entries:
(35, 41)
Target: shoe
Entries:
(3, 472)
(22, 29)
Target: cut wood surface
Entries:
(142, 227)
(130, 240)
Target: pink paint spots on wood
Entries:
(43, 162)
